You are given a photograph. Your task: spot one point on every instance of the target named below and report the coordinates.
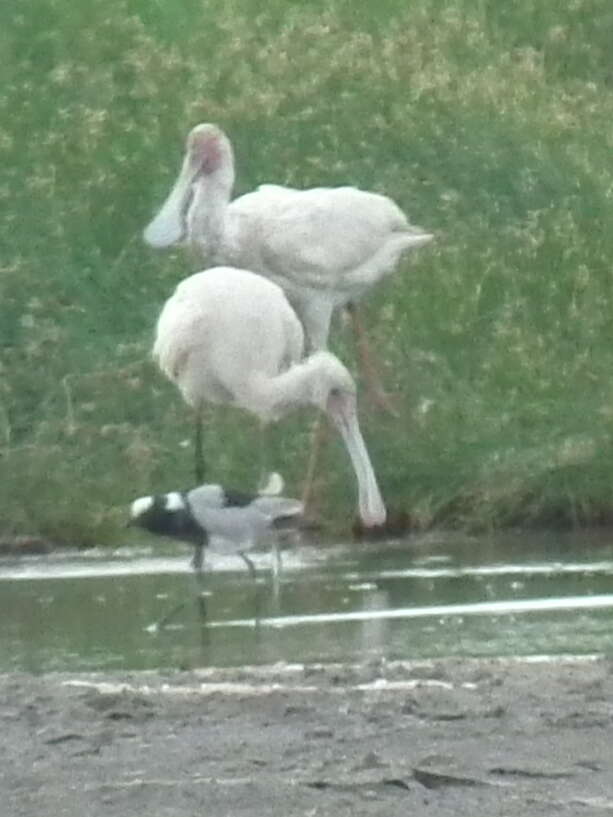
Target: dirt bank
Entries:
(430, 738)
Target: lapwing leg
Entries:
(368, 364)
(250, 565)
(197, 563)
(252, 573)
(276, 567)
(277, 563)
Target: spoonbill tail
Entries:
(325, 246)
(229, 336)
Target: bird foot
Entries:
(397, 524)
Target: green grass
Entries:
(488, 122)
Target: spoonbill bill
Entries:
(229, 336)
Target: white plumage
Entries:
(324, 246)
(229, 336)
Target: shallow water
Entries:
(433, 596)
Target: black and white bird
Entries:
(222, 520)
(229, 336)
(324, 246)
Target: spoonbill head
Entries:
(207, 169)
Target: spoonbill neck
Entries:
(196, 204)
(271, 397)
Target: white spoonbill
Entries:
(229, 336)
(324, 246)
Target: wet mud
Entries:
(448, 737)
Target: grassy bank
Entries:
(489, 123)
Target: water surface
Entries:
(432, 596)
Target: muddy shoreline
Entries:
(445, 737)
